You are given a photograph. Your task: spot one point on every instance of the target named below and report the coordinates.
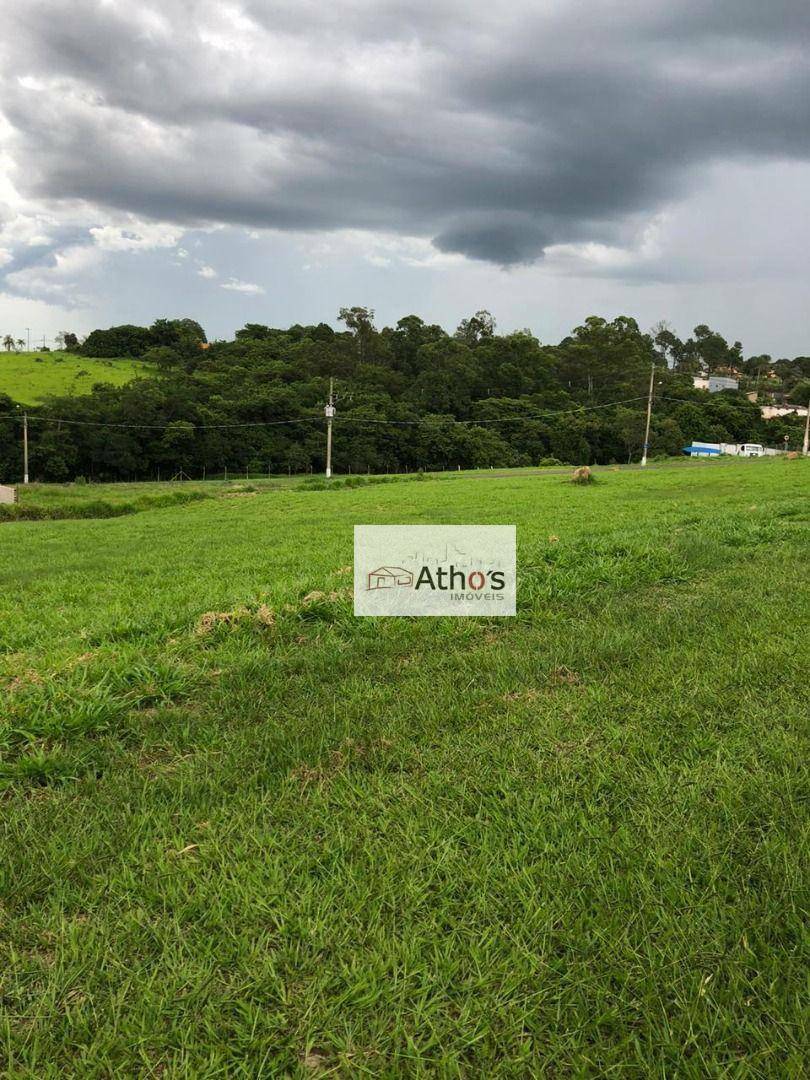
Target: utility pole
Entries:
(649, 414)
(329, 412)
(28, 332)
(25, 448)
(806, 443)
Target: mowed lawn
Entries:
(247, 835)
(30, 377)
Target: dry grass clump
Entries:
(563, 676)
(240, 616)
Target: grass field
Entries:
(61, 501)
(30, 377)
(54, 502)
(245, 834)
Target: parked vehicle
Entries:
(707, 449)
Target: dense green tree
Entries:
(412, 397)
(479, 327)
(449, 380)
(11, 458)
(360, 322)
(183, 335)
(707, 350)
(605, 361)
(410, 335)
(124, 340)
(162, 356)
(668, 346)
(800, 393)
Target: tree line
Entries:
(256, 403)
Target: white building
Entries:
(715, 383)
(722, 382)
(770, 412)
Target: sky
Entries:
(273, 160)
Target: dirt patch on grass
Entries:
(315, 1061)
(522, 695)
(317, 596)
(240, 616)
(21, 682)
(349, 754)
(563, 676)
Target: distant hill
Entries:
(30, 377)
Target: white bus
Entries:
(750, 449)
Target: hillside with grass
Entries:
(248, 834)
(31, 377)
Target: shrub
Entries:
(582, 475)
(98, 508)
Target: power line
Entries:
(439, 419)
(432, 421)
(160, 427)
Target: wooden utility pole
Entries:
(329, 412)
(806, 443)
(649, 415)
(25, 448)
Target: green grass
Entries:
(30, 377)
(43, 502)
(245, 834)
(66, 496)
(57, 502)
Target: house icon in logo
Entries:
(388, 577)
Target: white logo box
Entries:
(460, 570)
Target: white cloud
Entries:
(62, 279)
(235, 285)
(207, 272)
(137, 236)
(647, 246)
(380, 249)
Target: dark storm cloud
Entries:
(503, 238)
(495, 131)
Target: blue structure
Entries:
(696, 450)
